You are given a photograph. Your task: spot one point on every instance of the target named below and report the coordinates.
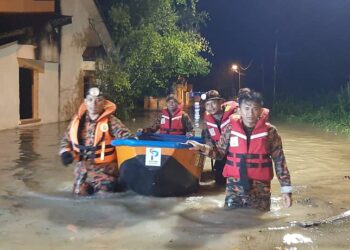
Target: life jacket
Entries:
(172, 124)
(216, 127)
(256, 158)
(101, 151)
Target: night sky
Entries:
(313, 38)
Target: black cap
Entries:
(211, 95)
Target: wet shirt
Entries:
(185, 119)
(274, 147)
(116, 128)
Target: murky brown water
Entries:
(37, 210)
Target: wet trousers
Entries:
(257, 197)
(92, 178)
(218, 168)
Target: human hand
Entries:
(195, 145)
(132, 137)
(287, 199)
(66, 158)
(189, 134)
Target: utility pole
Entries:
(262, 78)
(275, 71)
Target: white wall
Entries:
(9, 86)
(59, 95)
(75, 38)
(48, 93)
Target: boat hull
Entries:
(174, 171)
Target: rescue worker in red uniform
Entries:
(88, 141)
(172, 120)
(252, 145)
(216, 118)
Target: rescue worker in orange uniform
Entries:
(216, 118)
(252, 146)
(88, 141)
(172, 120)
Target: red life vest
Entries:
(257, 158)
(172, 124)
(101, 151)
(215, 127)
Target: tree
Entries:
(156, 41)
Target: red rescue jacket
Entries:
(257, 158)
(101, 151)
(172, 124)
(215, 127)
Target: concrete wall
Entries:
(26, 51)
(48, 93)
(75, 38)
(9, 86)
(9, 82)
(60, 85)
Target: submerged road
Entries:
(37, 210)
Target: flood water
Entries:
(38, 211)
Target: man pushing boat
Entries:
(216, 118)
(252, 145)
(172, 120)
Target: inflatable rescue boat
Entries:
(159, 164)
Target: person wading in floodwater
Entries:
(88, 141)
(216, 118)
(251, 144)
(171, 120)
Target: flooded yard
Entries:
(38, 211)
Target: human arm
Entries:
(187, 124)
(118, 129)
(206, 137)
(65, 151)
(215, 151)
(281, 169)
(154, 127)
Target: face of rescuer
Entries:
(172, 105)
(250, 112)
(213, 107)
(94, 102)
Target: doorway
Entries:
(26, 81)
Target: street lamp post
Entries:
(236, 69)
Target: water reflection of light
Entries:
(199, 201)
(277, 228)
(194, 201)
(296, 239)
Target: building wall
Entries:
(9, 82)
(9, 94)
(48, 93)
(59, 85)
(76, 37)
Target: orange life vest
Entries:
(172, 124)
(256, 158)
(214, 127)
(101, 151)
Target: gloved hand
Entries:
(66, 158)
